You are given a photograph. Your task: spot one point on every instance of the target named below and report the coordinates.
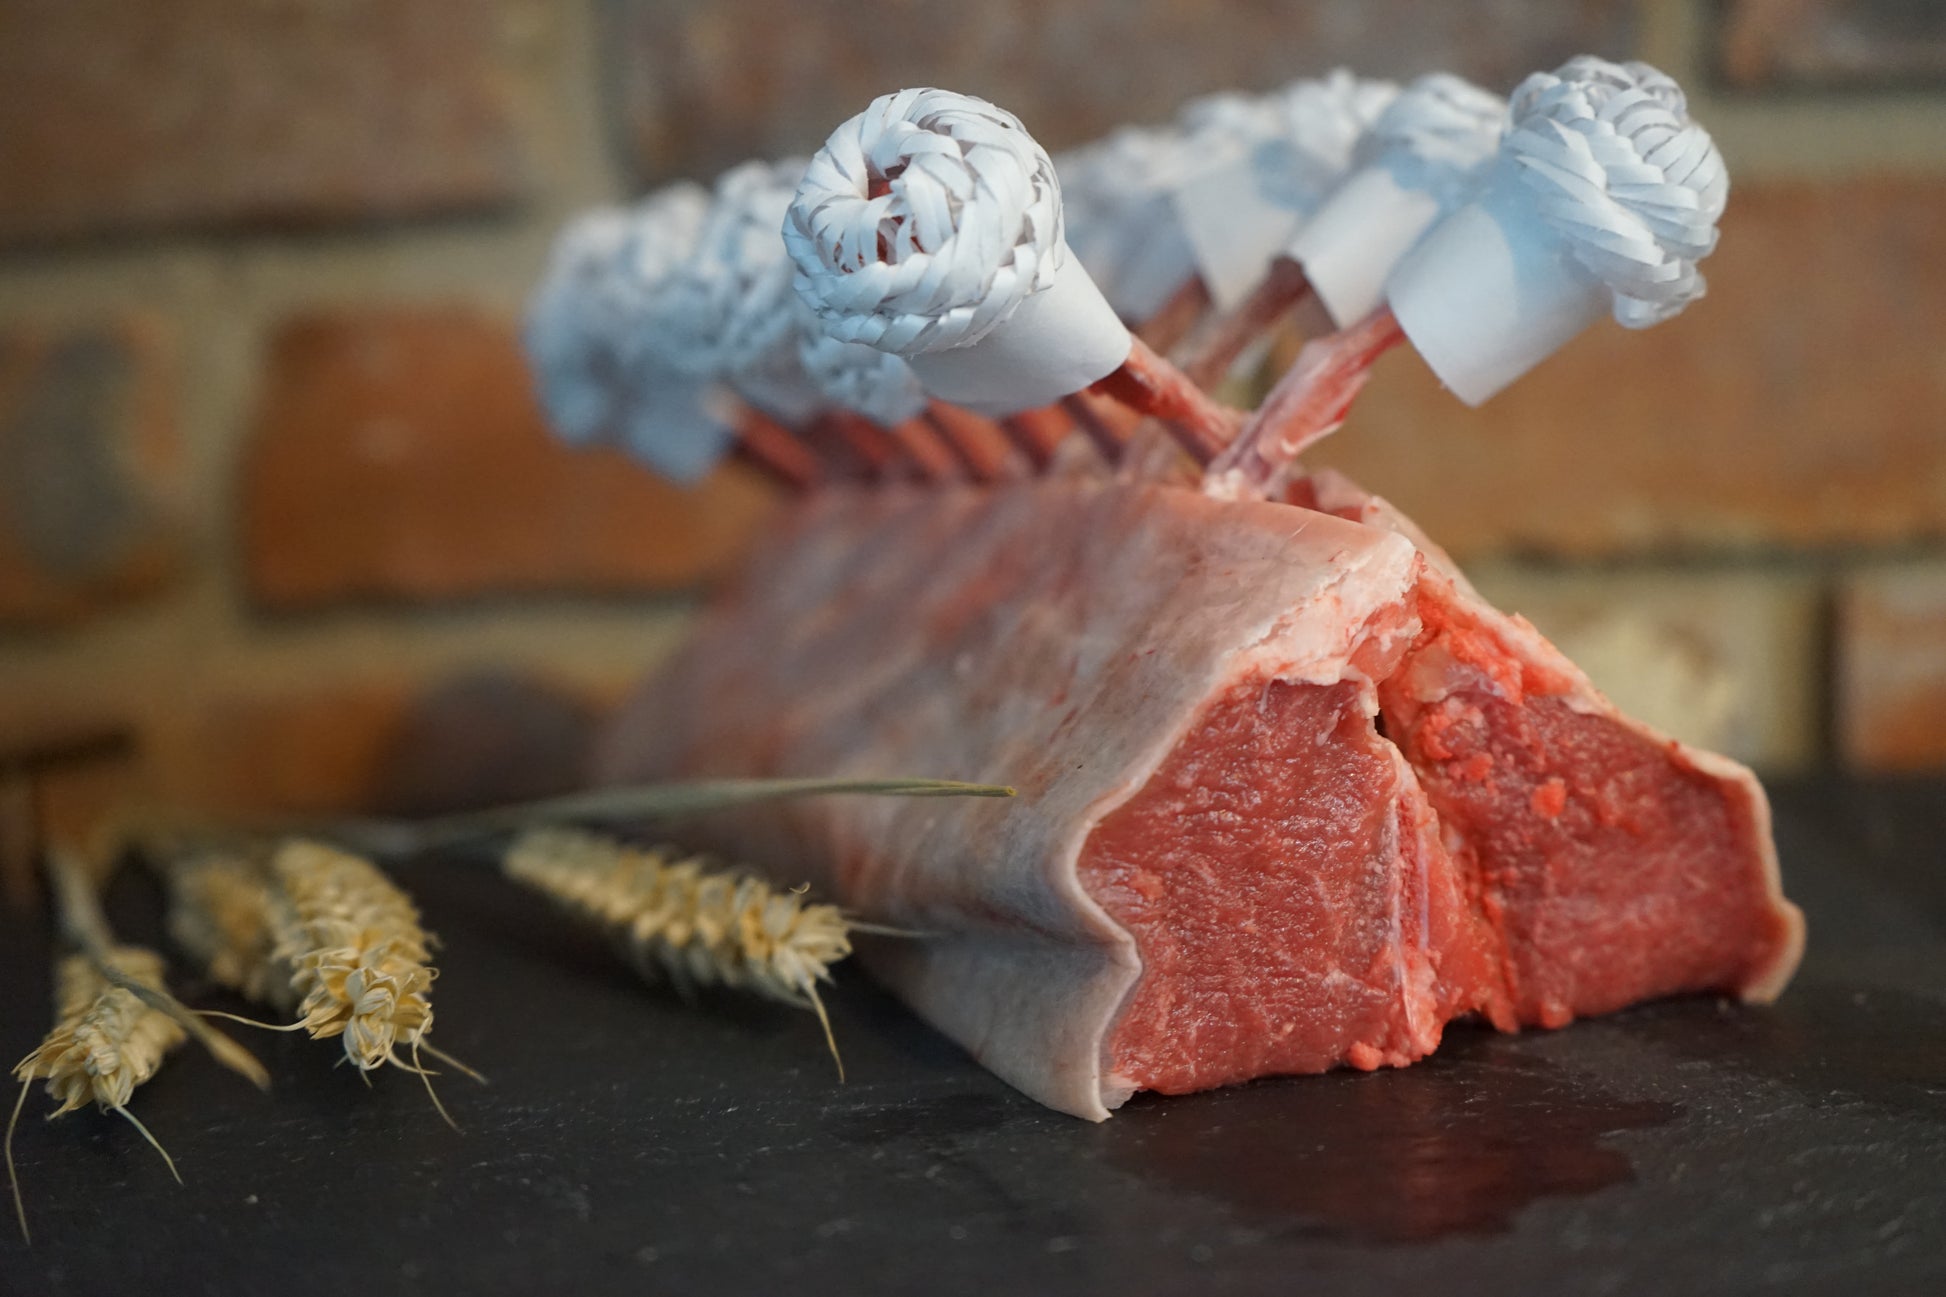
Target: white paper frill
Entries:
(1262, 164)
(597, 380)
(862, 379)
(930, 226)
(1603, 197)
(1419, 158)
(569, 333)
(1120, 216)
(727, 311)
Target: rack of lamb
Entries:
(1290, 794)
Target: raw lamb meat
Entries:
(1219, 865)
(1589, 830)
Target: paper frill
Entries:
(584, 340)
(1602, 198)
(1418, 160)
(930, 226)
(1266, 162)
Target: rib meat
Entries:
(1218, 866)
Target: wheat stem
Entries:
(660, 801)
(13, 1176)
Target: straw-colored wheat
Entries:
(105, 1041)
(219, 914)
(354, 950)
(687, 917)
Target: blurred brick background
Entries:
(280, 528)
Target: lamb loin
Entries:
(1219, 866)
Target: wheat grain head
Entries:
(355, 952)
(105, 1041)
(688, 918)
(219, 914)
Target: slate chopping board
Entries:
(630, 1144)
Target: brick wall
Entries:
(281, 529)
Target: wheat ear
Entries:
(356, 955)
(105, 1042)
(219, 916)
(689, 918)
(310, 929)
(116, 1018)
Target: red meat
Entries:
(1218, 867)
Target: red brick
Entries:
(310, 751)
(1798, 405)
(174, 113)
(482, 739)
(19, 886)
(383, 742)
(709, 83)
(89, 470)
(1796, 44)
(1891, 651)
(379, 745)
(399, 455)
(60, 770)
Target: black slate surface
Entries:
(628, 1144)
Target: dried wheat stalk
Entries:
(105, 1042)
(688, 918)
(318, 932)
(116, 1018)
(354, 950)
(219, 915)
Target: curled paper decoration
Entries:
(877, 384)
(1620, 172)
(583, 336)
(570, 346)
(1589, 70)
(1119, 218)
(1436, 134)
(1420, 157)
(1227, 122)
(925, 222)
(727, 306)
(930, 226)
(1602, 198)
(1267, 162)
(675, 423)
(727, 311)
(663, 233)
(1317, 125)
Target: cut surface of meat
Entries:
(1291, 911)
(1619, 864)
